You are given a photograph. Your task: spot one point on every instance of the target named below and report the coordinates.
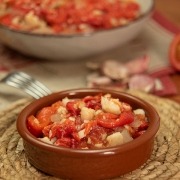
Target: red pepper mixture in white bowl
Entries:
(66, 30)
(67, 16)
(88, 123)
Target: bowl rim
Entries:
(147, 13)
(28, 137)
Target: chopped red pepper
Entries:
(112, 121)
(72, 108)
(44, 115)
(34, 126)
(88, 129)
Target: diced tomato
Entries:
(96, 135)
(89, 126)
(57, 28)
(6, 19)
(65, 133)
(46, 130)
(137, 134)
(96, 97)
(56, 131)
(93, 102)
(72, 108)
(66, 129)
(78, 121)
(65, 142)
(144, 125)
(133, 6)
(96, 21)
(21, 7)
(69, 127)
(89, 98)
(112, 122)
(75, 137)
(56, 17)
(82, 144)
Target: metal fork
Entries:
(27, 83)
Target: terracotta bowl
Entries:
(83, 163)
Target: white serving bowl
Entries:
(74, 47)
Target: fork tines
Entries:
(27, 83)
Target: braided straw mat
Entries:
(163, 164)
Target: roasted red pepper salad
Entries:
(89, 123)
(67, 16)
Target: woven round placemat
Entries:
(164, 162)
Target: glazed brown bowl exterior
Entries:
(83, 163)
